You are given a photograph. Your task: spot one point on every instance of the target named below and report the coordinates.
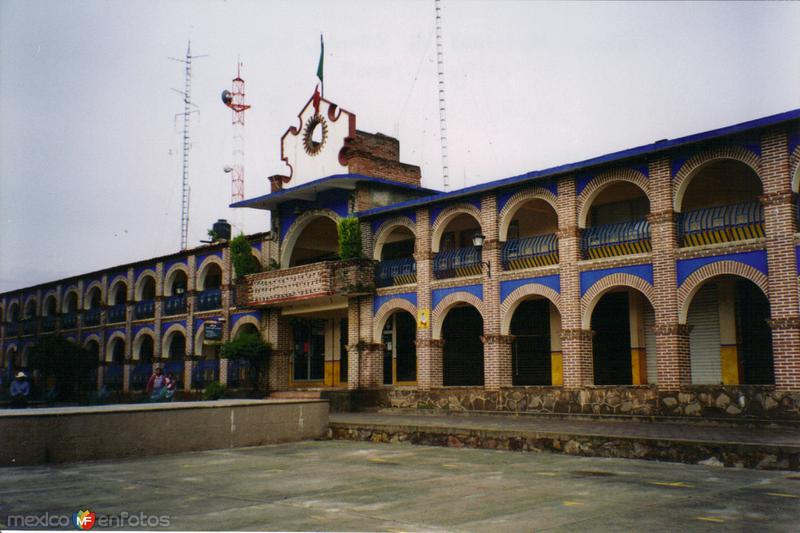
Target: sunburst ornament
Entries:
(311, 146)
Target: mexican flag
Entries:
(321, 57)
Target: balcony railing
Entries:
(48, 323)
(140, 374)
(69, 321)
(12, 329)
(204, 372)
(144, 309)
(457, 263)
(530, 252)
(112, 377)
(396, 272)
(623, 238)
(175, 305)
(117, 313)
(91, 317)
(721, 224)
(29, 326)
(209, 299)
(317, 280)
(239, 373)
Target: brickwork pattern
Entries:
(692, 284)
(445, 216)
(603, 180)
(684, 175)
(386, 229)
(385, 311)
(519, 295)
(519, 199)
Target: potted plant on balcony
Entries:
(354, 275)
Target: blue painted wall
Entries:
(437, 295)
(507, 287)
(590, 277)
(380, 300)
(756, 259)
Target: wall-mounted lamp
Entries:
(477, 242)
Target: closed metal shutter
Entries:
(649, 320)
(704, 336)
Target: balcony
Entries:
(48, 324)
(144, 309)
(175, 305)
(91, 317)
(209, 299)
(12, 329)
(530, 252)
(69, 321)
(29, 326)
(623, 238)
(317, 280)
(457, 263)
(721, 224)
(117, 313)
(396, 272)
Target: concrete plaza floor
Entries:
(343, 485)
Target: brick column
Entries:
(126, 377)
(188, 365)
(279, 334)
(223, 372)
(576, 343)
(779, 214)
(429, 352)
(497, 349)
(673, 363)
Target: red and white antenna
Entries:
(234, 99)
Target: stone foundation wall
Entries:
(751, 402)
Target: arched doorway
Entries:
(456, 255)
(622, 343)
(616, 222)
(536, 354)
(317, 242)
(730, 341)
(399, 349)
(396, 254)
(528, 235)
(462, 353)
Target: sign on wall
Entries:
(423, 318)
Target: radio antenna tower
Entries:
(234, 99)
(187, 112)
(442, 112)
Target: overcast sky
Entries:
(90, 149)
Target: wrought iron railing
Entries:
(724, 223)
(117, 313)
(204, 372)
(622, 238)
(48, 323)
(144, 309)
(396, 272)
(29, 326)
(239, 373)
(175, 305)
(140, 375)
(12, 329)
(176, 369)
(530, 252)
(69, 321)
(209, 299)
(112, 377)
(457, 263)
(91, 317)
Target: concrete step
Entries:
(760, 448)
(296, 395)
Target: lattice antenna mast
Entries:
(234, 99)
(442, 111)
(187, 112)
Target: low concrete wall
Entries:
(54, 435)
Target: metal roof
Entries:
(308, 191)
(630, 153)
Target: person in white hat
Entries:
(20, 390)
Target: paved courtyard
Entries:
(343, 485)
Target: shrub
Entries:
(214, 391)
(252, 348)
(242, 257)
(349, 238)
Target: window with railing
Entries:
(609, 240)
(48, 323)
(204, 372)
(12, 329)
(396, 272)
(140, 374)
(29, 326)
(530, 252)
(175, 305)
(724, 223)
(91, 317)
(144, 309)
(112, 377)
(116, 313)
(209, 299)
(239, 373)
(69, 321)
(457, 263)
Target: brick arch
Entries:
(300, 223)
(448, 302)
(177, 267)
(9, 306)
(108, 353)
(96, 338)
(448, 214)
(202, 269)
(89, 288)
(695, 163)
(596, 291)
(50, 294)
(697, 279)
(32, 298)
(519, 295)
(519, 199)
(242, 321)
(604, 180)
(65, 299)
(794, 165)
(167, 336)
(386, 310)
(385, 229)
(137, 342)
(137, 286)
